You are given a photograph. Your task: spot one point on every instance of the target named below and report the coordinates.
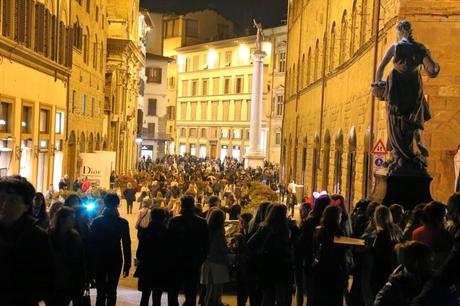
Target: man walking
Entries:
(106, 233)
(190, 242)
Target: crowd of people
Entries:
(56, 254)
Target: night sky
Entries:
(270, 12)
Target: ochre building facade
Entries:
(331, 121)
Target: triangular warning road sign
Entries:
(379, 148)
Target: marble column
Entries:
(255, 155)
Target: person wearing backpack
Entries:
(143, 219)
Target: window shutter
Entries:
(60, 44)
(53, 38)
(6, 24)
(20, 18)
(70, 39)
(28, 24)
(46, 33)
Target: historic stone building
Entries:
(87, 80)
(331, 120)
(125, 59)
(35, 62)
(214, 97)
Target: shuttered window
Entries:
(6, 18)
(20, 19)
(152, 107)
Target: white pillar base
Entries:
(254, 160)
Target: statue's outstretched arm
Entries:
(386, 59)
(431, 67)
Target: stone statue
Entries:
(260, 35)
(407, 108)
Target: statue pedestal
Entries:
(254, 160)
(407, 191)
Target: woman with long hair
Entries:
(70, 260)
(329, 264)
(39, 211)
(305, 242)
(214, 272)
(387, 235)
(272, 254)
(153, 255)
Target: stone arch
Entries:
(82, 142)
(343, 38)
(317, 61)
(364, 21)
(315, 163)
(304, 161)
(104, 145)
(338, 156)
(326, 159)
(91, 143)
(332, 47)
(98, 142)
(351, 167)
(72, 139)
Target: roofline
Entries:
(149, 55)
(235, 40)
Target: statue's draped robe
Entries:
(407, 109)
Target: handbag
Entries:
(378, 90)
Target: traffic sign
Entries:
(379, 148)
(379, 161)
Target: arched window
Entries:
(95, 52)
(326, 157)
(309, 66)
(343, 39)
(338, 162)
(82, 142)
(91, 143)
(354, 20)
(351, 167)
(302, 73)
(317, 60)
(315, 161)
(86, 46)
(364, 20)
(332, 49)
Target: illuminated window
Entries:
(282, 62)
(5, 117)
(224, 134)
(59, 125)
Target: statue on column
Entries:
(407, 108)
(259, 36)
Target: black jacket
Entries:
(70, 261)
(401, 288)
(189, 241)
(130, 194)
(106, 233)
(27, 266)
(153, 254)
